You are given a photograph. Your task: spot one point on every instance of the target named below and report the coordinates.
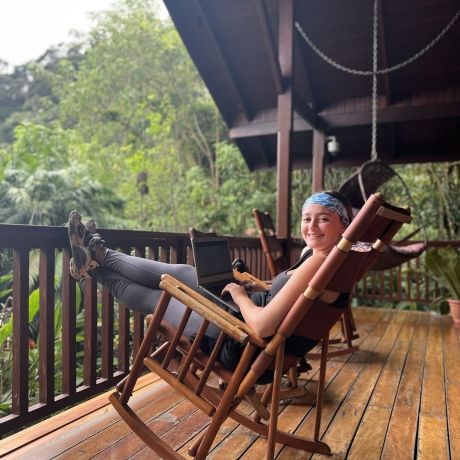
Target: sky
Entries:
(29, 27)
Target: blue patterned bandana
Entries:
(330, 202)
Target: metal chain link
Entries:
(380, 71)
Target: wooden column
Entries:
(284, 161)
(319, 143)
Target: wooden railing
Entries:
(111, 333)
(86, 340)
(408, 285)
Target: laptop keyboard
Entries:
(225, 302)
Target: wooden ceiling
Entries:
(234, 45)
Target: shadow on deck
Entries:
(397, 397)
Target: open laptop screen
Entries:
(212, 259)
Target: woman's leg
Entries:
(144, 300)
(147, 272)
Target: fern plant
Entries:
(445, 265)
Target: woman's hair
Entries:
(334, 201)
(345, 201)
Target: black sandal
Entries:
(83, 245)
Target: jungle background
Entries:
(120, 126)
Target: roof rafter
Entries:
(307, 78)
(231, 76)
(269, 44)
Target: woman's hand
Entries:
(253, 287)
(237, 291)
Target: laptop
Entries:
(214, 270)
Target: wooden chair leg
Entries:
(321, 381)
(225, 404)
(144, 349)
(273, 427)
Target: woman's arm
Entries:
(265, 320)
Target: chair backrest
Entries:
(360, 246)
(194, 233)
(271, 245)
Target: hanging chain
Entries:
(381, 71)
(374, 82)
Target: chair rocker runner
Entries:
(195, 371)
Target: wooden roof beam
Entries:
(393, 114)
(269, 44)
(304, 109)
(242, 103)
(311, 101)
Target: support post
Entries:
(318, 161)
(284, 160)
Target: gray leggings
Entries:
(134, 282)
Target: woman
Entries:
(135, 281)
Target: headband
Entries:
(330, 202)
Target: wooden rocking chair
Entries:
(377, 222)
(271, 246)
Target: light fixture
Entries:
(333, 146)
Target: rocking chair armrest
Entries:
(245, 276)
(211, 312)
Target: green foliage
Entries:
(445, 266)
(127, 103)
(44, 181)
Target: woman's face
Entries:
(321, 228)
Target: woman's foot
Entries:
(83, 245)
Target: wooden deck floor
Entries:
(397, 397)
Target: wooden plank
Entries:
(338, 380)
(370, 436)
(336, 391)
(292, 416)
(178, 434)
(117, 441)
(358, 404)
(345, 423)
(451, 348)
(226, 434)
(432, 432)
(43, 433)
(432, 438)
(86, 427)
(402, 429)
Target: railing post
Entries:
(46, 332)
(20, 383)
(68, 328)
(107, 334)
(90, 346)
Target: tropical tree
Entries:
(43, 181)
